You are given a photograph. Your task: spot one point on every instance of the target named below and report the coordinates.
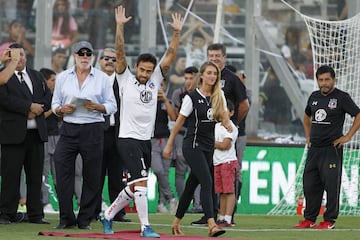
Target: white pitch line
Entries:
(234, 229)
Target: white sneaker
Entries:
(173, 205)
(49, 209)
(162, 208)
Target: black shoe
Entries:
(4, 221)
(84, 227)
(201, 222)
(39, 221)
(19, 217)
(64, 226)
(121, 219)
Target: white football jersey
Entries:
(138, 104)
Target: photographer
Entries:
(9, 60)
(23, 100)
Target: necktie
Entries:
(24, 86)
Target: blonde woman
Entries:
(201, 109)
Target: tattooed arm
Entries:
(121, 20)
(171, 52)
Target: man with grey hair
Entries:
(82, 95)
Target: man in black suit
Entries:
(112, 164)
(23, 100)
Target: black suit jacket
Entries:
(15, 107)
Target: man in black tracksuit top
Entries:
(323, 124)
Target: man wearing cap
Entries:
(82, 95)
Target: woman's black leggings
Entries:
(201, 164)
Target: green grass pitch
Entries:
(247, 227)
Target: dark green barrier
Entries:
(267, 173)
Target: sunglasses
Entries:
(81, 54)
(107, 58)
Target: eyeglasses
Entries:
(107, 58)
(81, 54)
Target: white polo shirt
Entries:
(138, 104)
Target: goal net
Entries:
(337, 44)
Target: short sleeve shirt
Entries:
(235, 91)
(138, 104)
(328, 115)
(223, 156)
(177, 97)
(200, 123)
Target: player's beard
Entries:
(326, 90)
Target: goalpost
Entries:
(337, 44)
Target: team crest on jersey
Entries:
(145, 96)
(332, 103)
(143, 173)
(151, 85)
(209, 114)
